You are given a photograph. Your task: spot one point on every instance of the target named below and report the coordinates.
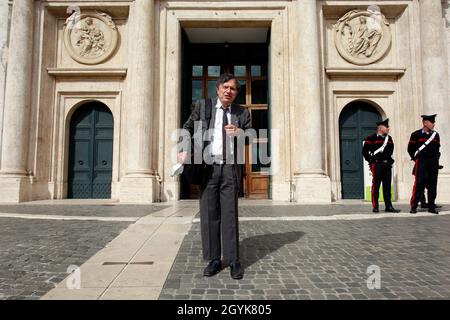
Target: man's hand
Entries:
(232, 130)
(182, 157)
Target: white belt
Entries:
(425, 144)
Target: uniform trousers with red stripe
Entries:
(381, 173)
(426, 176)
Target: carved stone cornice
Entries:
(87, 72)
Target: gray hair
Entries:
(227, 77)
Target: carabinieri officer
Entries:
(423, 148)
(377, 150)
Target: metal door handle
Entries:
(104, 162)
(80, 163)
(347, 162)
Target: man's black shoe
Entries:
(433, 210)
(375, 210)
(438, 206)
(213, 267)
(392, 209)
(413, 211)
(236, 271)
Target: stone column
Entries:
(435, 82)
(311, 183)
(139, 183)
(4, 15)
(17, 103)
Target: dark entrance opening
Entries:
(356, 122)
(91, 152)
(203, 62)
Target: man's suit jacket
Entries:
(240, 116)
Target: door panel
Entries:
(357, 121)
(90, 158)
(259, 186)
(80, 164)
(102, 169)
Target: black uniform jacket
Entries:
(374, 142)
(418, 138)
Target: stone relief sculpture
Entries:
(90, 38)
(362, 37)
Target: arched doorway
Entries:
(90, 152)
(356, 122)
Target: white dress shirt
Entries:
(216, 139)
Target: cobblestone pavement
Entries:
(106, 210)
(323, 260)
(35, 254)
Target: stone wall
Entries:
(135, 71)
(446, 36)
(5, 22)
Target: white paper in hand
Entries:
(177, 169)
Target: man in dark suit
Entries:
(377, 151)
(423, 148)
(220, 186)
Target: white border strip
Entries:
(344, 217)
(56, 217)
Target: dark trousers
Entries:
(381, 173)
(426, 176)
(219, 213)
(423, 199)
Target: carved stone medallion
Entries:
(362, 37)
(90, 38)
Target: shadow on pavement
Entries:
(257, 247)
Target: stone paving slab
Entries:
(136, 263)
(323, 260)
(35, 254)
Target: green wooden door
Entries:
(91, 149)
(357, 121)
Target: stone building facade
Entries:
(91, 92)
